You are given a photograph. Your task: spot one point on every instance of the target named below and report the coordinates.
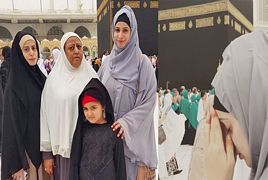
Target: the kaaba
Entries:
(193, 35)
(146, 12)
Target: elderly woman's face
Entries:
(74, 51)
(29, 51)
(121, 34)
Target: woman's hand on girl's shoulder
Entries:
(116, 126)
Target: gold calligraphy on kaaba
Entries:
(133, 4)
(237, 27)
(226, 19)
(154, 4)
(204, 22)
(176, 26)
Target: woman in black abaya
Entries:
(21, 156)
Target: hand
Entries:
(219, 153)
(19, 175)
(49, 165)
(237, 134)
(116, 125)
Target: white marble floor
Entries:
(183, 156)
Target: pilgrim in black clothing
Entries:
(97, 153)
(4, 70)
(21, 116)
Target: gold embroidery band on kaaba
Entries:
(153, 4)
(205, 9)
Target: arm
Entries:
(45, 143)
(144, 104)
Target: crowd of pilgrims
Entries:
(62, 120)
(192, 103)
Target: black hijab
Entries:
(21, 119)
(97, 90)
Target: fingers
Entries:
(18, 175)
(114, 124)
(121, 133)
(229, 149)
(49, 165)
(215, 130)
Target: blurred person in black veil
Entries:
(4, 70)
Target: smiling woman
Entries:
(127, 72)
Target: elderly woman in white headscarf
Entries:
(241, 106)
(130, 80)
(59, 109)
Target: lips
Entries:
(77, 57)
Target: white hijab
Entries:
(241, 85)
(59, 103)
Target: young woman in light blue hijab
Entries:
(130, 80)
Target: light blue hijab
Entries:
(124, 63)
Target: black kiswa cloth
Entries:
(21, 117)
(98, 140)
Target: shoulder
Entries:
(145, 63)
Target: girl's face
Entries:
(74, 51)
(237, 134)
(93, 112)
(29, 51)
(121, 34)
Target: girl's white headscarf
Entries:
(241, 85)
(59, 103)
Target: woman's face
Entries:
(29, 51)
(237, 134)
(74, 52)
(121, 34)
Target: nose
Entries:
(76, 50)
(120, 35)
(31, 52)
(90, 114)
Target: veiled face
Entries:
(74, 51)
(121, 34)
(29, 51)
